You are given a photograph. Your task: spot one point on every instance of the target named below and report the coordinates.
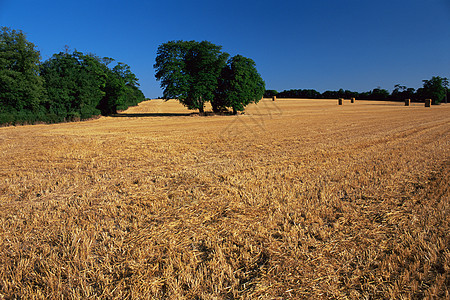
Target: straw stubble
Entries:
(294, 199)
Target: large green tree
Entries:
(239, 85)
(435, 89)
(75, 84)
(20, 84)
(121, 88)
(132, 95)
(189, 71)
(82, 85)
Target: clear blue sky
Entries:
(318, 44)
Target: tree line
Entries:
(69, 86)
(435, 88)
(72, 85)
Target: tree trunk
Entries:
(201, 108)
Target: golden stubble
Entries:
(293, 199)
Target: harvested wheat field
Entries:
(294, 199)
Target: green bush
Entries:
(6, 118)
(73, 116)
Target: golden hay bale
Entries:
(353, 100)
(407, 102)
(274, 98)
(427, 102)
(341, 101)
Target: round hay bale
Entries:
(407, 102)
(341, 101)
(274, 98)
(353, 100)
(427, 102)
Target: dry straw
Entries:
(293, 207)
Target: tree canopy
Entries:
(188, 71)
(435, 89)
(75, 83)
(198, 72)
(20, 84)
(239, 85)
(82, 85)
(68, 86)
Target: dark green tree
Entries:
(239, 85)
(121, 89)
(270, 93)
(114, 93)
(20, 85)
(131, 94)
(401, 93)
(299, 93)
(83, 85)
(75, 84)
(339, 94)
(435, 89)
(330, 95)
(189, 71)
(379, 94)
